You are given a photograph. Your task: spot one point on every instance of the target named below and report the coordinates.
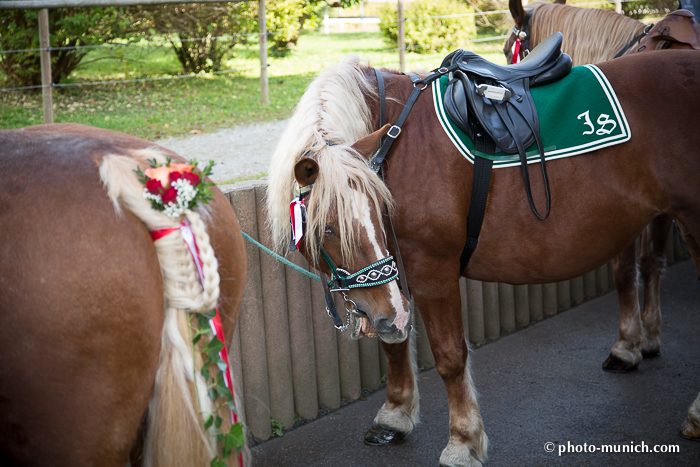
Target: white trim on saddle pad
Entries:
(619, 133)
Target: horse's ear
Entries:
(560, 2)
(517, 12)
(306, 171)
(368, 145)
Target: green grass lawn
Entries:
(177, 107)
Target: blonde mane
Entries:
(591, 35)
(332, 110)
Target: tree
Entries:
(69, 27)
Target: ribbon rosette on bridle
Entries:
(297, 216)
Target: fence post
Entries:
(326, 348)
(402, 37)
(262, 32)
(564, 294)
(506, 307)
(549, 299)
(577, 295)
(475, 311)
(252, 323)
(522, 305)
(535, 296)
(589, 288)
(275, 316)
(45, 43)
(492, 319)
(601, 277)
(618, 7)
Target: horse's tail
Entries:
(174, 434)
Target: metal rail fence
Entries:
(288, 359)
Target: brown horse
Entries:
(600, 202)
(94, 347)
(593, 35)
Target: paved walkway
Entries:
(542, 384)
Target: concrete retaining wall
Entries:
(288, 359)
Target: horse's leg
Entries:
(652, 265)
(691, 425)
(438, 298)
(626, 353)
(399, 414)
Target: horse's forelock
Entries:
(334, 110)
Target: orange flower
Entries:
(182, 168)
(161, 174)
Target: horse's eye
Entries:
(329, 231)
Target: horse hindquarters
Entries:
(81, 308)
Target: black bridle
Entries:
(524, 35)
(378, 273)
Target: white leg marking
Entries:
(457, 453)
(404, 417)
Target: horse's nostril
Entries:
(383, 325)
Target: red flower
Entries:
(175, 176)
(154, 186)
(170, 194)
(191, 177)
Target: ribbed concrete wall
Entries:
(289, 361)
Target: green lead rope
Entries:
(280, 258)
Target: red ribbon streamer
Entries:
(215, 322)
(516, 51)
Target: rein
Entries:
(636, 40)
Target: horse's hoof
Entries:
(651, 353)
(380, 435)
(689, 430)
(617, 365)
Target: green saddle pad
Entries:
(578, 114)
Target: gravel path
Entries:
(239, 151)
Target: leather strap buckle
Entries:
(394, 132)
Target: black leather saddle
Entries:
(492, 103)
(489, 92)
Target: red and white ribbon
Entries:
(215, 323)
(297, 220)
(516, 50)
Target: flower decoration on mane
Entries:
(173, 188)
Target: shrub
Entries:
(68, 27)
(290, 17)
(206, 22)
(430, 25)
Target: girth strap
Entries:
(480, 195)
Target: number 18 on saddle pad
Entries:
(577, 114)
